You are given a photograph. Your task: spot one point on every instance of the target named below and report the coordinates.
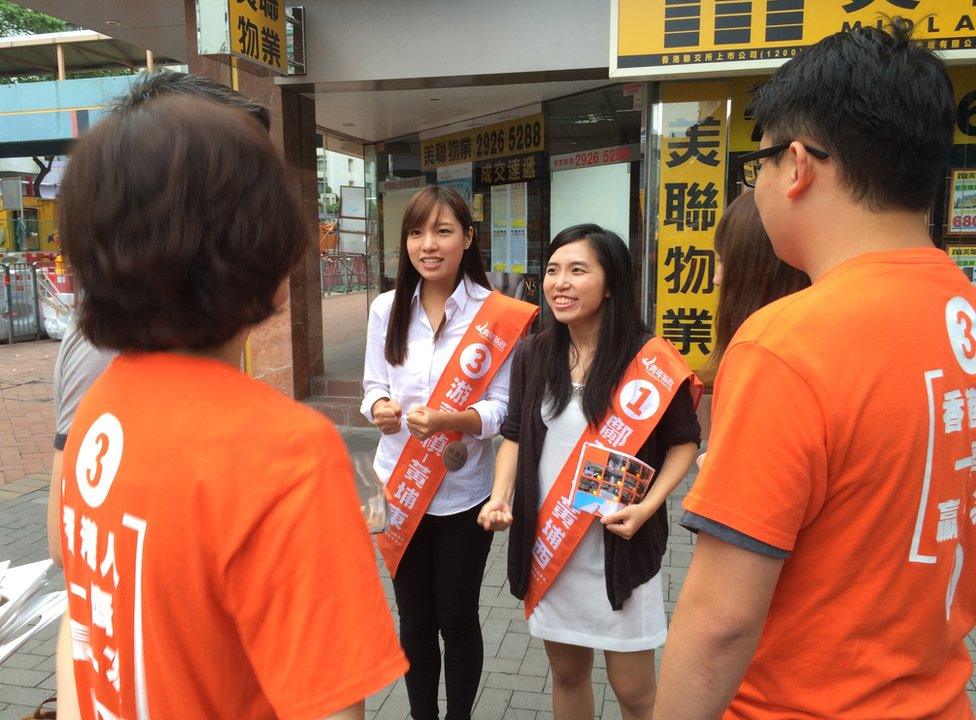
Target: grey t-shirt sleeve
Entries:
(78, 365)
(698, 523)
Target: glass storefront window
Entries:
(594, 156)
(397, 176)
(595, 159)
(373, 257)
(953, 220)
(524, 172)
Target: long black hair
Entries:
(622, 332)
(752, 275)
(418, 211)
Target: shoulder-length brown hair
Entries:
(179, 221)
(418, 211)
(752, 275)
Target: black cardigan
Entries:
(628, 563)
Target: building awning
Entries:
(79, 50)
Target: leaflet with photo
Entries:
(607, 480)
(30, 599)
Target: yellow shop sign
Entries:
(512, 137)
(663, 38)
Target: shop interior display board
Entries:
(598, 195)
(394, 204)
(509, 228)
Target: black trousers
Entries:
(437, 586)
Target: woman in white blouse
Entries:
(413, 332)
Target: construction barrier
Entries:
(36, 300)
(342, 272)
(20, 310)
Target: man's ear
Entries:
(282, 295)
(802, 169)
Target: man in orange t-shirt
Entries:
(215, 555)
(836, 511)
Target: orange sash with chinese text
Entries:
(483, 349)
(649, 384)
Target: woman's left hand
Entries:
(628, 521)
(422, 422)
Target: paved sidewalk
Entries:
(345, 317)
(26, 410)
(27, 676)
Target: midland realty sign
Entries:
(665, 38)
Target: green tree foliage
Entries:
(17, 20)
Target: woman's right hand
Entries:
(386, 416)
(495, 515)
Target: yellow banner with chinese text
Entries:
(742, 137)
(666, 37)
(964, 85)
(742, 130)
(257, 32)
(691, 202)
(512, 137)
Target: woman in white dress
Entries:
(609, 594)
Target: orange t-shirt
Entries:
(215, 555)
(845, 433)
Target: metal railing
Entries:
(342, 272)
(36, 300)
(20, 307)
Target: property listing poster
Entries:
(964, 256)
(509, 227)
(962, 203)
(458, 177)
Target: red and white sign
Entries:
(592, 158)
(414, 183)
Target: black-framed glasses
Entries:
(750, 163)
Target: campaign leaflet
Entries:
(607, 480)
(30, 600)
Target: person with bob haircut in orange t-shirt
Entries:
(836, 509)
(214, 552)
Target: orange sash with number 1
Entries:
(483, 349)
(649, 384)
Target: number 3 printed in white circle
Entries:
(476, 360)
(98, 459)
(961, 326)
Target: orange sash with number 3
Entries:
(649, 384)
(483, 349)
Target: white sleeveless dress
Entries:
(575, 610)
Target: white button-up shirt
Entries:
(413, 382)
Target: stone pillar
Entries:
(286, 351)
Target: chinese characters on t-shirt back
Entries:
(103, 560)
(946, 507)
